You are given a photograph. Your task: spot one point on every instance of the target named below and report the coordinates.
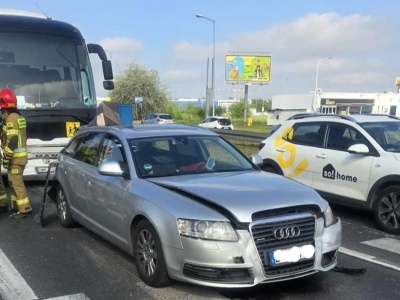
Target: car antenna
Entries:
(42, 11)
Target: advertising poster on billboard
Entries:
(247, 68)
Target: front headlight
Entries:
(329, 217)
(209, 230)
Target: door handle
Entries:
(321, 155)
(280, 150)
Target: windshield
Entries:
(46, 71)
(386, 134)
(178, 155)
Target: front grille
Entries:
(265, 241)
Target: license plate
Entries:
(40, 170)
(290, 255)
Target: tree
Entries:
(219, 110)
(237, 110)
(138, 81)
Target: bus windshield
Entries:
(46, 71)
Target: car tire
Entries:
(63, 209)
(387, 209)
(149, 257)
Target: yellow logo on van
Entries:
(72, 127)
(287, 158)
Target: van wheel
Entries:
(387, 209)
(149, 256)
(63, 209)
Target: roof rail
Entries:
(315, 115)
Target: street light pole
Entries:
(213, 64)
(314, 107)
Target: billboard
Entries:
(247, 68)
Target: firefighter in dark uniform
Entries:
(15, 155)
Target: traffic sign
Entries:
(138, 100)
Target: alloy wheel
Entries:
(147, 252)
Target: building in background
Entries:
(285, 106)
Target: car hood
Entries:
(244, 193)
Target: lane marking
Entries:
(79, 296)
(387, 244)
(12, 284)
(368, 258)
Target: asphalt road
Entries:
(57, 263)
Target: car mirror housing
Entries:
(256, 159)
(111, 168)
(358, 149)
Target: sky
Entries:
(361, 37)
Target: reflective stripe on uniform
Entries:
(24, 206)
(8, 150)
(12, 132)
(23, 201)
(21, 154)
(3, 200)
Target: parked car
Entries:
(217, 123)
(353, 160)
(158, 118)
(188, 206)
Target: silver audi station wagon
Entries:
(189, 206)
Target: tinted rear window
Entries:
(224, 121)
(166, 117)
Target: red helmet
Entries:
(7, 99)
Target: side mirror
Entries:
(107, 70)
(111, 168)
(256, 159)
(358, 149)
(108, 85)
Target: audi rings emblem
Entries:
(287, 233)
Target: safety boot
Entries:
(18, 215)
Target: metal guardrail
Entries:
(252, 137)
